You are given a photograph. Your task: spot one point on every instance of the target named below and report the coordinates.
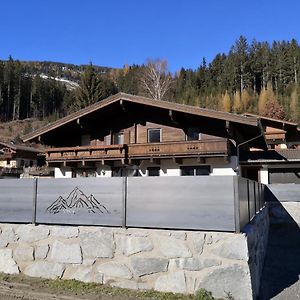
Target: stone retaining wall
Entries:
(257, 233)
(163, 260)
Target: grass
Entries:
(93, 290)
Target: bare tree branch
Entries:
(155, 79)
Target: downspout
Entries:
(246, 142)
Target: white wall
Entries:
(12, 164)
(222, 171)
(263, 176)
(16, 163)
(168, 167)
(219, 166)
(64, 172)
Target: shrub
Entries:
(202, 294)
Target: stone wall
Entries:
(257, 233)
(164, 260)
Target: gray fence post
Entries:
(248, 198)
(124, 200)
(35, 187)
(236, 204)
(254, 195)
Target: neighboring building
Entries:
(137, 136)
(14, 157)
(281, 163)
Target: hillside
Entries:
(69, 72)
(11, 131)
(256, 77)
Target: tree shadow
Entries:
(282, 261)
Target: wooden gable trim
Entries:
(122, 98)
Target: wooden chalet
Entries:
(15, 157)
(281, 163)
(141, 136)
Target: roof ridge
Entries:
(141, 100)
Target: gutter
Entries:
(246, 142)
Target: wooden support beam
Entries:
(172, 117)
(155, 161)
(122, 104)
(177, 160)
(201, 160)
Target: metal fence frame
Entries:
(248, 199)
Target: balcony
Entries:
(79, 153)
(6, 155)
(179, 149)
(140, 151)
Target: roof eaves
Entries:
(192, 109)
(146, 101)
(271, 119)
(71, 117)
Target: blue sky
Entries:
(118, 32)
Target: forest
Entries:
(256, 77)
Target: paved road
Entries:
(280, 279)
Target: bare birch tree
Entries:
(156, 79)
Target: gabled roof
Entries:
(290, 129)
(18, 147)
(267, 120)
(192, 110)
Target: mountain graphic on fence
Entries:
(75, 202)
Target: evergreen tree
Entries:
(93, 88)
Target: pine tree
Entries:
(92, 88)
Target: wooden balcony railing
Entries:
(111, 152)
(6, 155)
(185, 148)
(85, 152)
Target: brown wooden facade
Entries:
(126, 130)
(135, 144)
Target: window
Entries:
(118, 138)
(195, 170)
(154, 135)
(153, 171)
(193, 134)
